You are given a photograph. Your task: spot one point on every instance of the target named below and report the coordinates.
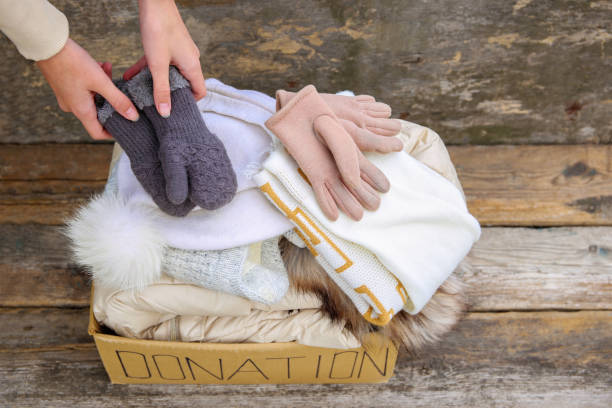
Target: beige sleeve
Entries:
(38, 30)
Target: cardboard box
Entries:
(133, 361)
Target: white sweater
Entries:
(38, 30)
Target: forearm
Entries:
(38, 30)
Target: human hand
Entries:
(75, 77)
(166, 42)
(365, 119)
(338, 172)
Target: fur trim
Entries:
(117, 243)
(438, 317)
(140, 87)
(105, 109)
(413, 332)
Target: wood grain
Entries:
(528, 359)
(35, 268)
(504, 185)
(49, 202)
(505, 72)
(548, 268)
(46, 183)
(507, 269)
(76, 162)
(36, 328)
(537, 185)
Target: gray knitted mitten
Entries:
(139, 142)
(255, 272)
(193, 159)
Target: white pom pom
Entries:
(117, 242)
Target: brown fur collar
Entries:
(413, 332)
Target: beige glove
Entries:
(335, 168)
(366, 120)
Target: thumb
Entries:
(161, 89)
(177, 184)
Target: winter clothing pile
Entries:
(394, 259)
(185, 243)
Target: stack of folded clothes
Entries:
(242, 218)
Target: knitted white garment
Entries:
(255, 271)
(393, 258)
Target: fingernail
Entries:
(132, 114)
(164, 109)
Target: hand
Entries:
(166, 42)
(75, 77)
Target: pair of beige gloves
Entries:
(325, 134)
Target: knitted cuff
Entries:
(137, 139)
(140, 87)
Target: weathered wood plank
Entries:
(35, 269)
(504, 185)
(500, 72)
(551, 268)
(508, 269)
(82, 162)
(536, 185)
(513, 359)
(32, 328)
(49, 202)
(46, 183)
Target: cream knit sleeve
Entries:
(38, 30)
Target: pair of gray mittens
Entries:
(177, 160)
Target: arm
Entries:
(40, 32)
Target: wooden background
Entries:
(521, 91)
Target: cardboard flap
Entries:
(93, 327)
